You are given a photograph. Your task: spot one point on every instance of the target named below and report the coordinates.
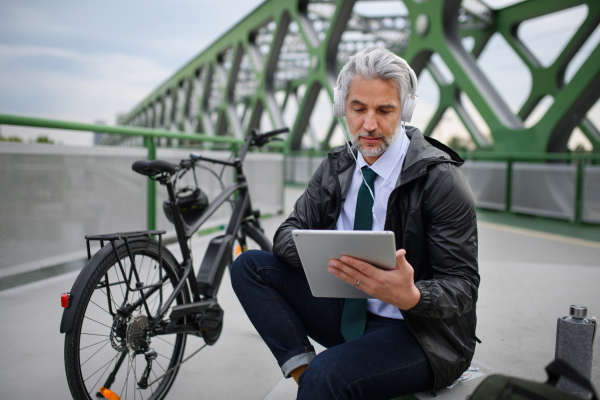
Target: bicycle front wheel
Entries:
(250, 237)
(110, 345)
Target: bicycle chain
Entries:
(176, 366)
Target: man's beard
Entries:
(372, 151)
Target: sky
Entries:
(88, 61)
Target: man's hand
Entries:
(395, 287)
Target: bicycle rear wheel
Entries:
(111, 333)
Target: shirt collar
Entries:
(386, 162)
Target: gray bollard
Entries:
(574, 340)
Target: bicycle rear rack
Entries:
(125, 236)
(121, 236)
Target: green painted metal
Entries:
(284, 48)
(572, 100)
(18, 120)
(289, 52)
(580, 159)
(150, 144)
(150, 136)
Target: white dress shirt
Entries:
(388, 168)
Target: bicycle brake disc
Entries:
(138, 333)
(118, 333)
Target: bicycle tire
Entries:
(259, 237)
(85, 356)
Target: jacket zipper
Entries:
(338, 188)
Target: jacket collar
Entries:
(423, 152)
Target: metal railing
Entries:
(575, 165)
(564, 186)
(556, 185)
(150, 137)
(53, 195)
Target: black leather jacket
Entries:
(432, 213)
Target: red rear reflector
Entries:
(64, 299)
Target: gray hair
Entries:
(376, 63)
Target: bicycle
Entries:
(133, 305)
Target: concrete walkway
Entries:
(528, 281)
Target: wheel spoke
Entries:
(110, 361)
(155, 377)
(162, 355)
(149, 269)
(135, 380)
(170, 344)
(155, 272)
(95, 385)
(160, 365)
(82, 364)
(127, 377)
(110, 297)
(91, 301)
(97, 322)
(107, 324)
(83, 348)
(108, 383)
(100, 378)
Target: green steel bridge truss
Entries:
(288, 52)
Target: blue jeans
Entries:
(386, 362)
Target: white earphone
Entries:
(339, 108)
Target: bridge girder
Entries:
(293, 49)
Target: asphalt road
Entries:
(528, 281)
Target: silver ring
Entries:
(357, 282)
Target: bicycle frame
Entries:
(205, 285)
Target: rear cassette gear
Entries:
(138, 334)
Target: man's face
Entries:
(373, 112)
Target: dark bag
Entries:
(504, 387)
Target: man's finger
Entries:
(401, 259)
(357, 264)
(340, 274)
(345, 272)
(400, 253)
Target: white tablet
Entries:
(317, 247)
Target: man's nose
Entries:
(370, 123)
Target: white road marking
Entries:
(540, 235)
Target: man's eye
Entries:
(359, 109)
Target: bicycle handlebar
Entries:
(253, 139)
(271, 133)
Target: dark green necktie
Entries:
(354, 316)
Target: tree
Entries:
(13, 138)
(44, 139)
(457, 144)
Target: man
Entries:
(418, 331)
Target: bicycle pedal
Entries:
(211, 319)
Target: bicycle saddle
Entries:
(154, 167)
